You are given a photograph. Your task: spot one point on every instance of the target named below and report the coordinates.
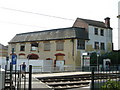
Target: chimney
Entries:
(107, 22)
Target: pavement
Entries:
(58, 74)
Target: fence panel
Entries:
(102, 80)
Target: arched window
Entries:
(21, 56)
(49, 59)
(33, 56)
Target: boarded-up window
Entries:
(59, 57)
(47, 46)
(60, 45)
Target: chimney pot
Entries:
(107, 22)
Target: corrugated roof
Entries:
(54, 34)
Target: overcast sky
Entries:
(19, 16)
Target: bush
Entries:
(111, 85)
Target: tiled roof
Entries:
(54, 34)
(94, 22)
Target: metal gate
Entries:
(17, 79)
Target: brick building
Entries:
(64, 45)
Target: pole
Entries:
(10, 76)
(92, 79)
(30, 77)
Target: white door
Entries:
(60, 64)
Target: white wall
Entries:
(37, 65)
(106, 38)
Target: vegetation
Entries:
(93, 59)
(111, 85)
(114, 56)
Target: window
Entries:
(80, 44)
(22, 48)
(60, 45)
(96, 45)
(34, 46)
(102, 46)
(47, 46)
(96, 31)
(102, 32)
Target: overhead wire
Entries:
(37, 13)
(21, 24)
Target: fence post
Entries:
(30, 77)
(92, 79)
(11, 67)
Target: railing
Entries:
(15, 81)
(50, 69)
(105, 80)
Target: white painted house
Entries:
(99, 34)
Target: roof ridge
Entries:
(46, 30)
(91, 20)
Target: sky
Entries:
(20, 16)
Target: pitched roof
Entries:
(94, 22)
(54, 34)
(2, 46)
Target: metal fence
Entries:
(50, 69)
(17, 79)
(105, 80)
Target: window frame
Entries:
(22, 47)
(34, 46)
(102, 32)
(96, 45)
(96, 31)
(60, 45)
(47, 46)
(80, 44)
(102, 46)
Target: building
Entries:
(65, 46)
(118, 25)
(3, 51)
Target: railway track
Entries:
(74, 81)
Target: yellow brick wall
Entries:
(69, 51)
